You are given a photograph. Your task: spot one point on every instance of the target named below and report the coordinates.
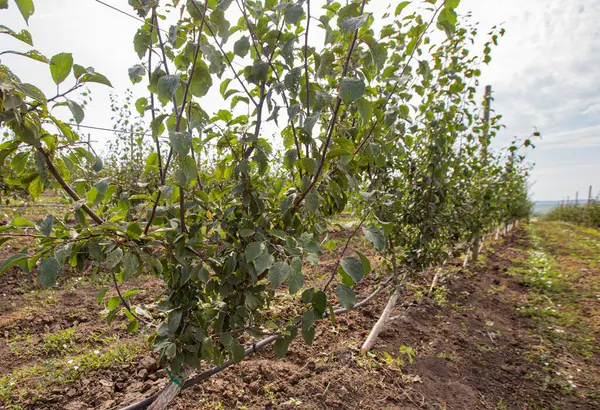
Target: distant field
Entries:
(543, 207)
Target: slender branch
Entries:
(332, 123)
(152, 112)
(393, 90)
(125, 302)
(182, 209)
(212, 33)
(56, 174)
(337, 264)
(250, 28)
(306, 59)
(187, 86)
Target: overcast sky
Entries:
(545, 73)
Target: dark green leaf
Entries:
(253, 251)
(47, 271)
(353, 268)
(351, 89)
(346, 296)
(279, 273)
(113, 258)
(294, 13)
(295, 282)
(201, 81)
(181, 143)
(319, 302)
(241, 46)
(76, 110)
(281, 346)
(45, 226)
(167, 86)
(351, 24)
(376, 236)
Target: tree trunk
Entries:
(383, 319)
(497, 233)
(475, 249)
(168, 394)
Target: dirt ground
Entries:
(470, 346)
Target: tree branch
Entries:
(56, 174)
(391, 93)
(332, 123)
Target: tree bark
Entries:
(168, 394)
(383, 319)
(475, 249)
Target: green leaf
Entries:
(201, 81)
(130, 264)
(237, 351)
(281, 346)
(319, 302)
(376, 236)
(45, 226)
(19, 221)
(263, 262)
(353, 268)
(33, 92)
(365, 110)
(141, 42)
(76, 110)
(101, 295)
(167, 86)
(12, 261)
(33, 54)
(293, 14)
(62, 252)
(96, 78)
(187, 171)
(308, 328)
(351, 89)
(241, 46)
(136, 73)
(279, 273)
(346, 296)
(181, 143)
(79, 70)
(253, 251)
(134, 230)
(60, 67)
(245, 233)
(3, 4)
(26, 8)
(365, 262)
(113, 258)
(351, 24)
(295, 282)
(141, 104)
(113, 302)
(401, 7)
(47, 271)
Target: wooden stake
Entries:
(383, 319)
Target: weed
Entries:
(448, 356)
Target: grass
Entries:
(552, 271)
(33, 380)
